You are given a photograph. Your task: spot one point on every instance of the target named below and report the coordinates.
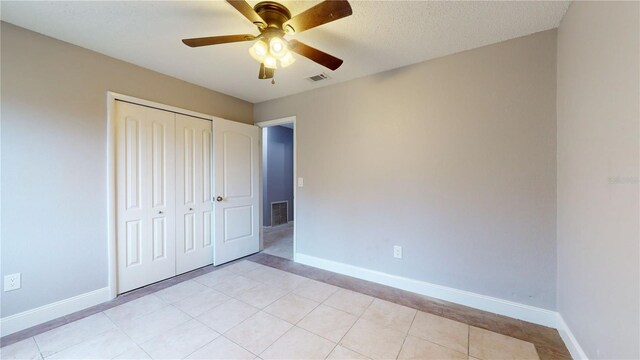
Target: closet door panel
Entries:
(145, 196)
(193, 181)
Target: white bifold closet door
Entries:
(194, 246)
(146, 208)
(164, 202)
(166, 221)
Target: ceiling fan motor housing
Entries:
(273, 14)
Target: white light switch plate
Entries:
(300, 182)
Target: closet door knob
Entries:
(190, 209)
(160, 212)
(219, 198)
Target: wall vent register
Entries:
(319, 77)
(279, 211)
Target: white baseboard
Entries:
(569, 340)
(478, 301)
(29, 318)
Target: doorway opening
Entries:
(278, 187)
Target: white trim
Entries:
(111, 174)
(111, 196)
(135, 100)
(264, 144)
(487, 303)
(569, 340)
(276, 122)
(42, 314)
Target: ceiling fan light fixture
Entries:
(277, 47)
(259, 50)
(270, 62)
(287, 59)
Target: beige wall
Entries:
(598, 198)
(54, 159)
(453, 158)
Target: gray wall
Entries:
(54, 159)
(598, 198)
(277, 170)
(453, 158)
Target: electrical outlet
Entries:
(397, 252)
(12, 282)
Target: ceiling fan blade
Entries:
(265, 72)
(245, 9)
(325, 12)
(214, 40)
(322, 58)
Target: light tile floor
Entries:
(271, 314)
(278, 241)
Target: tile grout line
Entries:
(440, 345)
(189, 315)
(127, 335)
(220, 333)
(308, 298)
(332, 350)
(305, 315)
(37, 347)
(351, 327)
(468, 340)
(338, 342)
(212, 340)
(244, 348)
(259, 310)
(292, 325)
(279, 337)
(136, 316)
(433, 342)
(358, 317)
(75, 344)
(413, 319)
(169, 304)
(344, 311)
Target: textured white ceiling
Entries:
(379, 36)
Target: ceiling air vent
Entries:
(319, 77)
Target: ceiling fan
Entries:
(274, 21)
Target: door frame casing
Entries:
(270, 123)
(112, 184)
